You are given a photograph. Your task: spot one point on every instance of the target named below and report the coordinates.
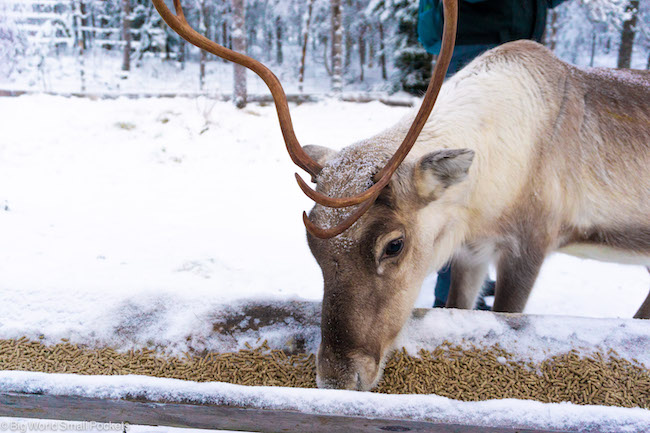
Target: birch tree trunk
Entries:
(349, 39)
(80, 44)
(362, 49)
(181, 53)
(224, 35)
(627, 36)
(325, 45)
(278, 41)
(239, 45)
(126, 35)
(337, 47)
(305, 40)
(371, 46)
(382, 52)
(84, 23)
(202, 30)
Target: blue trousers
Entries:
(442, 286)
(463, 54)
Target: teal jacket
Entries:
(485, 22)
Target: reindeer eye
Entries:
(394, 247)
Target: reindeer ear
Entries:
(320, 154)
(439, 170)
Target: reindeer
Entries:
(522, 155)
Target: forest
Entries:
(317, 46)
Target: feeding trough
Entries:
(453, 370)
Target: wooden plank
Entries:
(176, 414)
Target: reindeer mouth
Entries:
(357, 372)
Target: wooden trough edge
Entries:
(207, 416)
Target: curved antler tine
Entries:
(384, 175)
(325, 200)
(179, 10)
(343, 226)
(179, 24)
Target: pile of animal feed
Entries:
(448, 370)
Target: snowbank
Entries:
(121, 223)
(495, 413)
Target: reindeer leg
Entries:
(644, 309)
(517, 271)
(468, 272)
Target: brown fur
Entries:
(561, 160)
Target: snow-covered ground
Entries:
(168, 207)
(149, 214)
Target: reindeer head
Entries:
(372, 269)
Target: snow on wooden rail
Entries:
(294, 326)
(208, 416)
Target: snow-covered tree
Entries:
(588, 32)
(380, 14)
(13, 42)
(411, 59)
(362, 44)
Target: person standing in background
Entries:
(482, 25)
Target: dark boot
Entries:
(486, 290)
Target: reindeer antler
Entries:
(370, 195)
(448, 42)
(180, 25)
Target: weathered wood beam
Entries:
(188, 415)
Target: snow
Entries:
(135, 223)
(529, 337)
(497, 413)
(167, 209)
